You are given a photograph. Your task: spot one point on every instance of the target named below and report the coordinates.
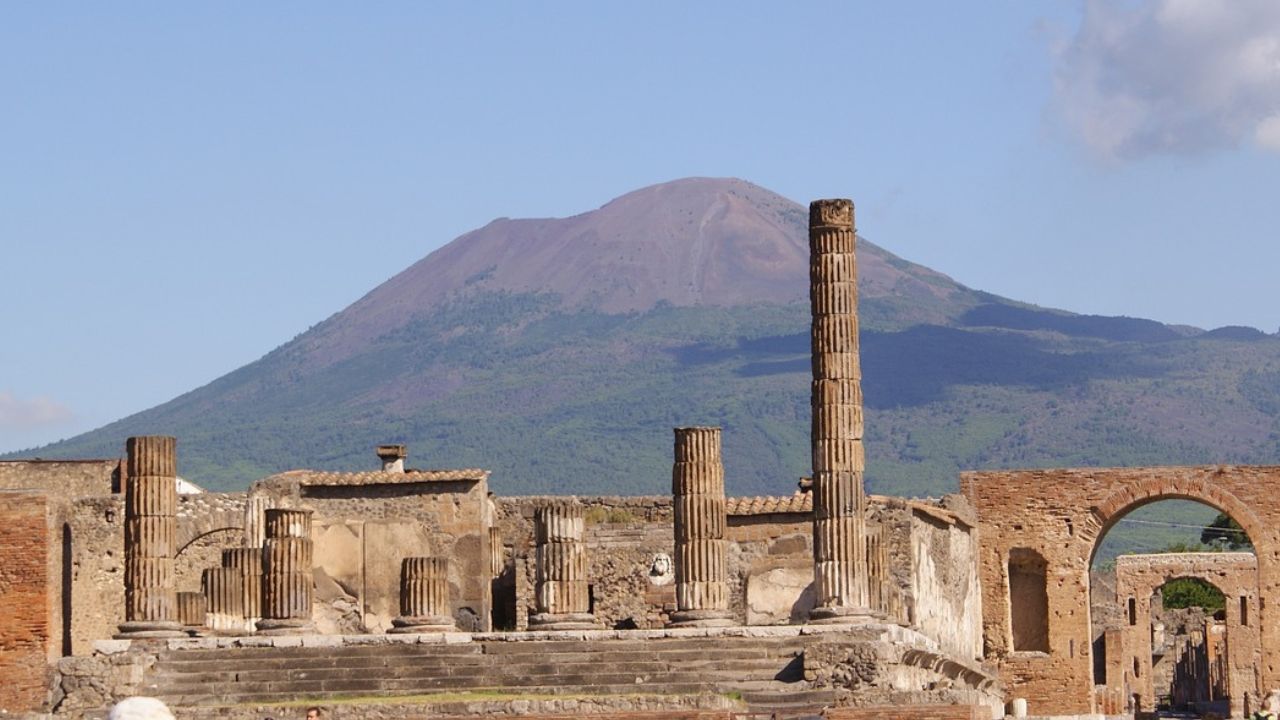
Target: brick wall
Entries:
(24, 599)
(1062, 515)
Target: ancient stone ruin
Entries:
(353, 589)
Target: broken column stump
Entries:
(224, 597)
(562, 594)
(424, 596)
(248, 562)
(697, 484)
(287, 580)
(150, 539)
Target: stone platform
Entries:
(788, 670)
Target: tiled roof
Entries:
(378, 477)
(797, 503)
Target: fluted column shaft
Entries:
(561, 592)
(697, 484)
(191, 610)
(248, 562)
(150, 538)
(287, 579)
(840, 562)
(224, 599)
(424, 596)
(255, 530)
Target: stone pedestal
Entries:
(191, 612)
(561, 594)
(424, 596)
(287, 580)
(839, 505)
(248, 562)
(150, 539)
(224, 598)
(697, 484)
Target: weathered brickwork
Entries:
(26, 631)
(1235, 574)
(1060, 516)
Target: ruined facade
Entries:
(1138, 577)
(396, 581)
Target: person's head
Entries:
(140, 708)
(1272, 705)
(313, 713)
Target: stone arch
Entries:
(1062, 513)
(1124, 500)
(191, 529)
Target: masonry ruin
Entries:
(315, 586)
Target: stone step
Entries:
(217, 697)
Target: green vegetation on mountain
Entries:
(560, 353)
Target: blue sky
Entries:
(184, 187)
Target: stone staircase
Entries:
(765, 672)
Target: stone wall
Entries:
(1060, 516)
(64, 479)
(96, 527)
(930, 579)
(27, 632)
(64, 483)
(365, 524)
(946, 598)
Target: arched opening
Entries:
(1173, 594)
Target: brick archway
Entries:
(1233, 574)
(1062, 514)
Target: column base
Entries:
(285, 626)
(701, 618)
(563, 621)
(144, 629)
(840, 615)
(423, 624)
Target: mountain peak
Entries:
(688, 242)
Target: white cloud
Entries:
(19, 414)
(1172, 76)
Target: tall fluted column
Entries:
(424, 596)
(697, 482)
(563, 601)
(150, 538)
(248, 562)
(224, 598)
(287, 580)
(840, 563)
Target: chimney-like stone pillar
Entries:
(150, 538)
(392, 457)
(424, 596)
(839, 505)
(224, 599)
(562, 595)
(697, 483)
(191, 612)
(287, 579)
(248, 562)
